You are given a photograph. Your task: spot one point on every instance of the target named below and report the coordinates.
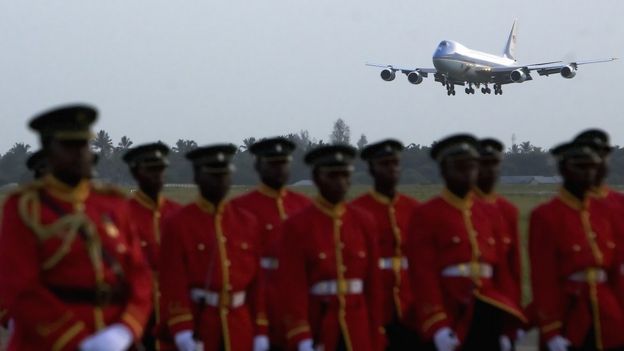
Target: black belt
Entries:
(99, 296)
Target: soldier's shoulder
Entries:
(25, 188)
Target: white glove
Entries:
(185, 342)
(558, 343)
(505, 343)
(116, 337)
(445, 339)
(305, 345)
(261, 343)
(520, 334)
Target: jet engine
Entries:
(388, 74)
(518, 76)
(568, 72)
(414, 77)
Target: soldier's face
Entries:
(386, 170)
(489, 171)
(213, 186)
(333, 185)
(273, 173)
(70, 160)
(460, 173)
(151, 178)
(580, 173)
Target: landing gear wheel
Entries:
(488, 91)
(453, 92)
(467, 91)
(483, 90)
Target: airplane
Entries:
(456, 64)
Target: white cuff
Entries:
(116, 337)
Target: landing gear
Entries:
(486, 90)
(498, 89)
(470, 89)
(450, 89)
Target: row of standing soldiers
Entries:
(82, 267)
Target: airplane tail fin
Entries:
(510, 48)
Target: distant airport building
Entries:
(530, 180)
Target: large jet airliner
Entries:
(456, 64)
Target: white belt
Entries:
(215, 299)
(597, 275)
(330, 287)
(483, 270)
(391, 262)
(269, 263)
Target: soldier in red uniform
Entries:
(490, 159)
(458, 269)
(391, 211)
(272, 204)
(147, 209)
(573, 245)
(210, 262)
(328, 271)
(71, 270)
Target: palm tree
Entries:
(124, 143)
(184, 146)
(103, 144)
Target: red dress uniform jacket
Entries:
(329, 278)
(271, 208)
(392, 218)
(510, 237)
(572, 248)
(449, 233)
(148, 217)
(42, 253)
(215, 250)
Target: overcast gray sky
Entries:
(223, 70)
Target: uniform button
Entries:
(506, 240)
(362, 254)
(576, 248)
(322, 256)
(143, 243)
(343, 269)
(229, 287)
(244, 246)
(201, 247)
(339, 222)
(611, 244)
(223, 240)
(341, 245)
(157, 214)
(491, 241)
(121, 248)
(269, 226)
(228, 263)
(456, 240)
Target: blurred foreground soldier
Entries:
(147, 209)
(328, 273)
(391, 212)
(272, 204)
(490, 159)
(71, 270)
(210, 262)
(572, 247)
(37, 164)
(457, 265)
(600, 141)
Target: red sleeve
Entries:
(293, 282)
(139, 279)
(257, 288)
(28, 301)
(547, 293)
(423, 274)
(175, 300)
(373, 284)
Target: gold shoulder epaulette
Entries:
(33, 185)
(109, 189)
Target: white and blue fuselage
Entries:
(460, 63)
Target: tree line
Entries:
(524, 159)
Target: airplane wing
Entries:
(423, 71)
(548, 68)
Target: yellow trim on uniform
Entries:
(572, 201)
(381, 198)
(225, 273)
(487, 197)
(501, 306)
(147, 201)
(179, 319)
(297, 330)
(440, 316)
(67, 193)
(133, 323)
(332, 210)
(601, 191)
(278, 196)
(69, 334)
(550, 327)
(456, 201)
(340, 270)
(263, 322)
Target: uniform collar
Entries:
(147, 201)
(209, 207)
(456, 201)
(601, 191)
(383, 199)
(270, 192)
(64, 192)
(334, 211)
(487, 197)
(572, 201)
